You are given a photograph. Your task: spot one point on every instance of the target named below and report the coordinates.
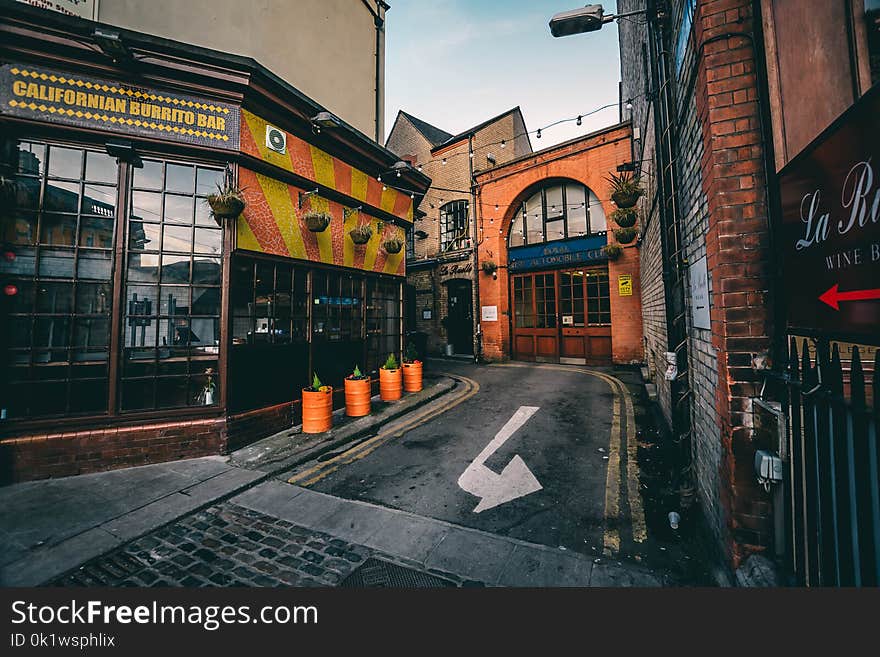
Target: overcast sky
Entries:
(456, 63)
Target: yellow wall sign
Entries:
(37, 93)
(625, 285)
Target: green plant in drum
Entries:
(412, 354)
(317, 386)
(356, 375)
(390, 363)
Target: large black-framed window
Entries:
(269, 356)
(384, 320)
(59, 234)
(556, 212)
(454, 226)
(173, 288)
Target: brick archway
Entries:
(586, 161)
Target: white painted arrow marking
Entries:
(515, 480)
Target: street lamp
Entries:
(586, 19)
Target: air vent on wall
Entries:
(276, 140)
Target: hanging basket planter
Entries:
(227, 203)
(625, 235)
(316, 222)
(360, 234)
(393, 245)
(625, 190)
(625, 217)
(626, 199)
(489, 267)
(612, 251)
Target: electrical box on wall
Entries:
(276, 140)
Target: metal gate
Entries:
(832, 487)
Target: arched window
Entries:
(454, 226)
(557, 212)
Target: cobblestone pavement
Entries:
(224, 545)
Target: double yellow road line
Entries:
(316, 473)
(622, 407)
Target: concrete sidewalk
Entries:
(51, 526)
(440, 547)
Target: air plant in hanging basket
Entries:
(227, 202)
(489, 267)
(361, 234)
(612, 251)
(625, 235)
(625, 217)
(316, 221)
(625, 189)
(393, 245)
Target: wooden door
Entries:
(535, 322)
(585, 317)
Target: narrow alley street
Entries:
(489, 484)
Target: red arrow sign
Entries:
(833, 297)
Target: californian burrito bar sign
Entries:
(36, 93)
(830, 229)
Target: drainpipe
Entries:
(379, 22)
(475, 297)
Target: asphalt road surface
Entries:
(561, 491)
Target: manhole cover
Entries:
(376, 573)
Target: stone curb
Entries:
(351, 433)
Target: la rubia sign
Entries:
(830, 228)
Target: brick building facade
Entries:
(165, 330)
(504, 195)
(719, 99)
(440, 257)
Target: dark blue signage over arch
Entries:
(549, 255)
(829, 233)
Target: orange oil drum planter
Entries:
(317, 410)
(390, 388)
(357, 397)
(412, 377)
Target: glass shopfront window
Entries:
(59, 230)
(290, 320)
(172, 289)
(60, 234)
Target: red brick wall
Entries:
(589, 161)
(61, 454)
(736, 249)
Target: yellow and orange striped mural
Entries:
(312, 163)
(271, 224)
